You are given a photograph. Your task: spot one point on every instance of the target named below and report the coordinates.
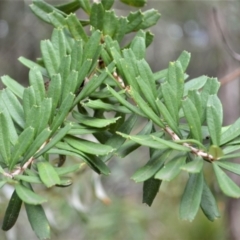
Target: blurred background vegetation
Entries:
(75, 212)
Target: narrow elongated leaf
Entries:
(88, 147)
(145, 108)
(12, 212)
(150, 190)
(93, 122)
(171, 169)
(76, 28)
(38, 220)
(48, 174)
(13, 106)
(29, 100)
(24, 141)
(208, 203)
(107, 4)
(49, 57)
(230, 166)
(5, 146)
(61, 171)
(155, 163)
(59, 42)
(184, 59)
(29, 179)
(150, 18)
(232, 132)
(214, 118)
(76, 55)
(28, 196)
(110, 23)
(194, 166)
(62, 112)
(138, 45)
(58, 137)
(30, 64)
(85, 5)
(195, 97)
(191, 198)
(195, 84)
(122, 26)
(193, 119)
(13, 85)
(36, 145)
(170, 100)
(97, 15)
(69, 7)
(226, 184)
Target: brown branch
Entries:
(230, 77)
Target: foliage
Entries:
(88, 83)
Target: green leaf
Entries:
(150, 190)
(61, 171)
(88, 147)
(69, 7)
(215, 151)
(36, 145)
(49, 57)
(194, 166)
(232, 132)
(62, 112)
(76, 55)
(38, 220)
(193, 119)
(226, 184)
(167, 117)
(28, 179)
(12, 212)
(76, 28)
(13, 85)
(195, 84)
(130, 146)
(214, 118)
(58, 137)
(230, 166)
(59, 43)
(97, 15)
(134, 3)
(13, 106)
(138, 46)
(121, 29)
(208, 203)
(48, 174)
(170, 100)
(107, 4)
(93, 122)
(5, 146)
(150, 18)
(85, 5)
(30, 64)
(191, 198)
(57, 19)
(29, 100)
(24, 141)
(149, 113)
(110, 23)
(171, 169)
(155, 163)
(184, 59)
(28, 196)
(195, 97)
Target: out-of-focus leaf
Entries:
(230, 166)
(194, 166)
(5, 146)
(57, 19)
(76, 28)
(195, 84)
(193, 119)
(134, 3)
(38, 220)
(191, 197)
(85, 5)
(120, 31)
(184, 59)
(107, 4)
(28, 196)
(88, 147)
(150, 190)
(49, 55)
(24, 141)
(48, 174)
(61, 171)
(215, 151)
(30, 64)
(150, 18)
(13, 106)
(171, 169)
(13, 85)
(195, 97)
(208, 203)
(28, 179)
(12, 212)
(29, 100)
(153, 165)
(214, 118)
(232, 132)
(69, 7)
(226, 184)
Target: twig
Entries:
(231, 76)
